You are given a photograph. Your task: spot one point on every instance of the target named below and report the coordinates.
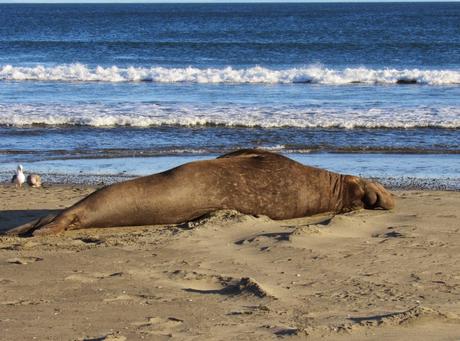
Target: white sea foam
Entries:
(312, 74)
(145, 115)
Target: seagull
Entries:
(19, 178)
(34, 180)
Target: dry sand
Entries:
(382, 275)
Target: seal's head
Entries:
(376, 196)
(367, 194)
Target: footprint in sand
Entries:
(142, 299)
(87, 240)
(122, 297)
(92, 277)
(11, 247)
(284, 331)
(216, 284)
(23, 260)
(403, 317)
(403, 231)
(265, 237)
(23, 302)
(264, 241)
(108, 337)
(159, 326)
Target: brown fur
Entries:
(250, 181)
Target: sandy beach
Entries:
(379, 275)
(93, 93)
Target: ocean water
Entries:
(88, 85)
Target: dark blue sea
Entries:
(109, 89)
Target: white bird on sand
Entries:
(19, 178)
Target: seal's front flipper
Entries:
(28, 229)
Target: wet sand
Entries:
(367, 275)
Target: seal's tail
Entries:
(28, 229)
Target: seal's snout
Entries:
(376, 196)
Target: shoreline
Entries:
(394, 184)
(392, 170)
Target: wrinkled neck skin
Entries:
(359, 193)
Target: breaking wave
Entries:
(258, 75)
(151, 115)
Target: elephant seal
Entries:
(253, 182)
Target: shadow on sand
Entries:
(14, 218)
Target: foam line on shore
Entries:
(154, 115)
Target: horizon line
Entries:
(227, 2)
